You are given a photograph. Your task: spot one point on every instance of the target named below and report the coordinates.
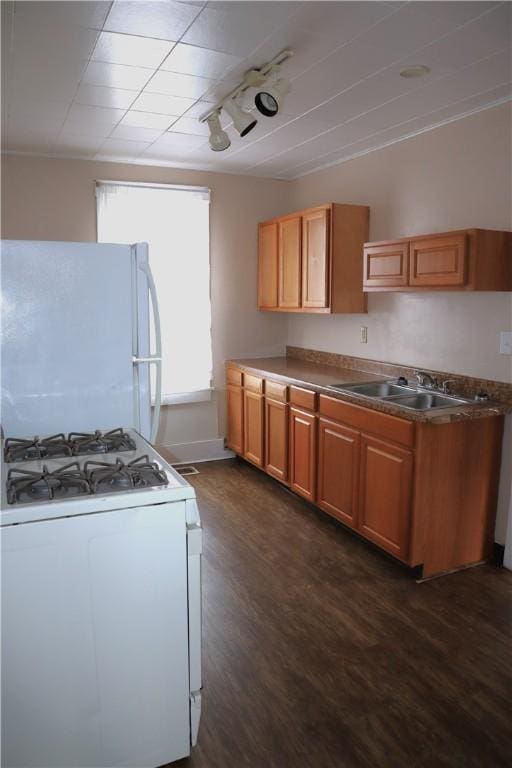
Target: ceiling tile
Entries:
(131, 50)
(95, 115)
(39, 42)
(166, 20)
(118, 148)
(147, 120)
(116, 75)
(190, 125)
(86, 14)
(99, 96)
(199, 108)
(191, 60)
(161, 104)
(182, 140)
(237, 27)
(134, 133)
(340, 21)
(80, 127)
(76, 146)
(455, 13)
(175, 84)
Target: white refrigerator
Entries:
(76, 339)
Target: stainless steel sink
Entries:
(416, 398)
(375, 388)
(424, 401)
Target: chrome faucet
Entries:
(445, 386)
(425, 380)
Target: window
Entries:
(174, 221)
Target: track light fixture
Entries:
(242, 120)
(268, 101)
(219, 140)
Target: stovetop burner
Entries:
(24, 486)
(75, 444)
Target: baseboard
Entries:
(202, 450)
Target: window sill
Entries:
(182, 398)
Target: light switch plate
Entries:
(364, 335)
(506, 343)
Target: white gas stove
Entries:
(101, 603)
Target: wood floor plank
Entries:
(321, 652)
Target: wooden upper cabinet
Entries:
(385, 495)
(466, 260)
(386, 265)
(319, 260)
(438, 261)
(315, 259)
(267, 265)
(289, 260)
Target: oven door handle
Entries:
(155, 359)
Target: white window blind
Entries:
(174, 221)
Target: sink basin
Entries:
(376, 388)
(424, 401)
(403, 395)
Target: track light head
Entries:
(219, 140)
(269, 100)
(242, 120)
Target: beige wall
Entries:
(49, 199)
(456, 176)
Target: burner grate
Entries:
(139, 473)
(26, 486)
(75, 444)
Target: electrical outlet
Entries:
(364, 335)
(506, 343)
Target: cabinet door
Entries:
(338, 471)
(253, 427)
(385, 495)
(234, 407)
(289, 263)
(438, 261)
(303, 453)
(386, 266)
(315, 259)
(267, 266)
(276, 439)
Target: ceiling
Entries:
(126, 81)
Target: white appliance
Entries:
(101, 538)
(75, 338)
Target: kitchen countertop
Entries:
(321, 378)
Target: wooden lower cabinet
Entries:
(253, 427)
(426, 493)
(385, 495)
(276, 439)
(303, 453)
(235, 418)
(338, 471)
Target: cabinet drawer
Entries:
(390, 427)
(253, 383)
(304, 398)
(386, 266)
(276, 391)
(234, 376)
(438, 261)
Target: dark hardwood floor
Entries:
(319, 651)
